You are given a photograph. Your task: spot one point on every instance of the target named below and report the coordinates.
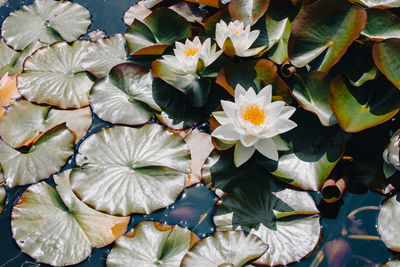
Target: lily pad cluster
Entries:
(260, 100)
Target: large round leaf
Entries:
(54, 75)
(158, 30)
(47, 21)
(227, 248)
(381, 24)
(125, 170)
(385, 55)
(378, 3)
(359, 108)
(247, 11)
(125, 95)
(44, 158)
(285, 219)
(104, 54)
(325, 28)
(24, 122)
(7, 54)
(388, 223)
(53, 226)
(152, 244)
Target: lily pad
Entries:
(158, 30)
(125, 95)
(24, 122)
(247, 11)
(147, 166)
(326, 29)
(392, 263)
(8, 92)
(7, 54)
(62, 230)
(45, 157)
(227, 248)
(378, 3)
(359, 108)
(385, 54)
(286, 220)
(105, 54)
(3, 195)
(152, 244)
(381, 25)
(388, 226)
(47, 21)
(54, 75)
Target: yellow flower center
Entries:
(254, 114)
(191, 51)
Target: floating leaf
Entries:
(54, 75)
(7, 54)
(381, 24)
(388, 226)
(312, 92)
(190, 11)
(247, 11)
(24, 122)
(138, 11)
(326, 29)
(228, 248)
(3, 195)
(45, 157)
(359, 108)
(62, 230)
(147, 166)
(213, 3)
(378, 3)
(158, 30)
(284, 219)
(47, 21)
(151, 244)
(392, 263)
(124, 96)
(385, 55)
(8, 92)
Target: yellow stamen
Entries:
(254, 114)
(191, 51)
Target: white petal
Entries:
(221, 117)
(280, 144)
(287, 112)
(230, 109)
(267, 147)
(179, 46)
(239, 90)
(242, 154)
(275, 108)
(267, 92)
(252, 37)
(251, 94)
(226, 132)
(283, 125)
(212, 57)
(248, 140)
(250, 52)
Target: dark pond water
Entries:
(196, 201)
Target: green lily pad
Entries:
(359, 108)
(138, 163)
(378, 3)
(152, 244)
(247, 11)
(124, 96)
(7, 54)
(227, 248)
(24, 122)
(286, 220)
(326, 29)
(312, 92)
(388, 226)
(158, 30)
(47, 21)
(211, 22)
(54, 75)
(385, 56)
(61, 230)
(45, 157)
(381, 24)
(105, 54)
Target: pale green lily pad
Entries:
(44, 158)
(388, 224)
(227, 248)
(54, 75)
(381, 24)
(47, 21)
(7, 54)
(286, 220)
(152, 244)
(125, 95)
(105, 54)
(378, 3)
(24, 122)
(54, 227)
(125, 170)
(247, 11)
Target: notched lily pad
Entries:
(226, 248)
(24, 122)
(152, 244)
(124, 170)
(385, 55)
(43, 158)
(388, 225)
(54, 75)
(61, 230)
(47, 21)
(125, 95)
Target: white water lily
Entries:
(242, 38)
(187, 56)
(254, 122)
(391, 155)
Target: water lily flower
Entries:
(191, 57)
(254, 122)
(235, 39)
(391, 155)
